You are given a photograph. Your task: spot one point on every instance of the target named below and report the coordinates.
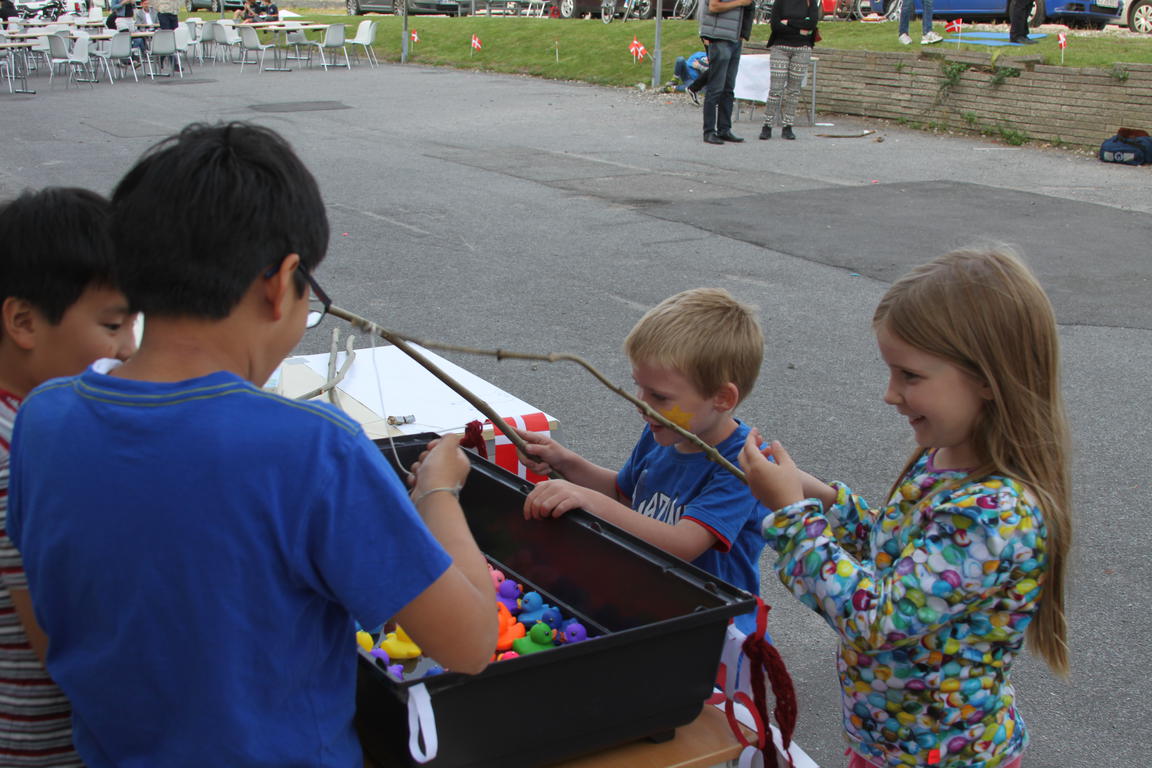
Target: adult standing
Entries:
(907, 10)
(167, 12)
(1018, 13)
(723, 25)
(790, 47)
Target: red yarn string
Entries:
(474, 438)
(763, 655)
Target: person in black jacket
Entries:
(793, 34)
(7, 10)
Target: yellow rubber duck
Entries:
(399, 646)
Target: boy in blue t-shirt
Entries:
(197, 548)
(695, 357)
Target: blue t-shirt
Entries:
(668, 485)
(197, 551)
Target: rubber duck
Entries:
(540, 638)
(381, 654)
(508, 629)
(364, 640)
(506, 655)
(497, 576)
(532, 607)
(398, 645)
(573, 632)
(551, 617)
(508, 593)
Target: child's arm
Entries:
(972, 548)
(574, 467)
(22, 602)
(552, 498)
(774, 484)
(463, 596)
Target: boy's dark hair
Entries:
(54, 244)
(207, 211)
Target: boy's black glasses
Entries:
(319, 297)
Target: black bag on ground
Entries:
(1129, 150)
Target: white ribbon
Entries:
(421, 722)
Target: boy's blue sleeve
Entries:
(723, 506)
(363, 544)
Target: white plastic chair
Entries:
(295, 36)
(183, 39)
(227, 40)
(58, 56)
(250, 41)
(207, 34)
(163, 44)
(333, 39)
(365, 37)
(119, 51)
(80, 61)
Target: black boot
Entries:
(787, 133)
(765, 132)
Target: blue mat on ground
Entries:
(989, 38)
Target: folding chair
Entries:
(250, 41)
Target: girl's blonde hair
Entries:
(984, 311)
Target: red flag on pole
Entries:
(476, 42)
(954, 26)
(415, 37)
(1062, 40)
(643, 51)
(634, 48)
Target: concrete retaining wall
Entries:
(967, 91)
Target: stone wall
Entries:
(969, 91)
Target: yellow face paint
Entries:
(677, 416)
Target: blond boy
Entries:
(695, 357)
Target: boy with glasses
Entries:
(197, 548)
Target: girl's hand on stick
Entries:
(772, 475)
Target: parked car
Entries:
(647, 8)
(1084, 13)
(1139, 14)
(446, 7)
(212, 5)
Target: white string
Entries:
(383, 411)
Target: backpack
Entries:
(1127, 149)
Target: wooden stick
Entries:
(401, 343)
(400, 340)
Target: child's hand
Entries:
(552, 498)
(442, 465)
(549, 453)
(777, 484)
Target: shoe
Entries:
(904, 39)
(766, 133)
(694, 95)
(1023, 41)
(930, 38)
(787, 133)
(728, 136)
(710, 137)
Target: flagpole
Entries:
(656, 82)
(403, 32)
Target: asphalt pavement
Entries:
(504, 211)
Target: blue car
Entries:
(1083, 13)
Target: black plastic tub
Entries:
(656, 626)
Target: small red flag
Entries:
(637, 49)
(475, 42)
(415, 37)
(1062, 40)
(954, 26)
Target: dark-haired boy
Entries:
(197, 547)
(60, 311)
